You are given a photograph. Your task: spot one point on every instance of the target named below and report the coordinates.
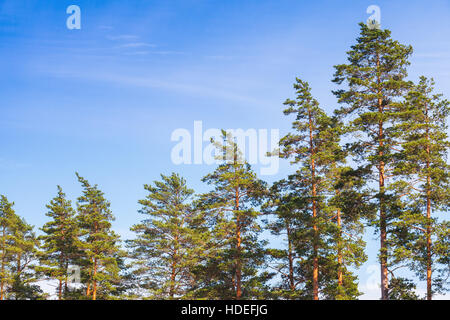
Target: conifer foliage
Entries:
(59, 246)
(379, 160)
(99, 244)
(18, 249)
(375, 82)
(426, 183)
(233, 270)
(170, 241)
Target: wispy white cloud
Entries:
(137, 53)
(144, 52)
(137, 45)
(128, 37)
(197, 89)
(219, 57)
(167, 52)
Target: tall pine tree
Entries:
(426, 182)
(7, 220)
(233, 271)
(18, 249)
(375, 84)
(99, 244)
(59, 242)
(170, 240)
(318, 236)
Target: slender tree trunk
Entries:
(172, 281)
(383, 230)
(314, 212)
(60, 289)
(61, 266)
(173, 270)
(429, 261)
(428, 230)
(94, 280)
(291, 258)
(381, 176)
(2, 285)
(340, 260)
(88, 288)
(238, 247)
(95, 267)
(66, 287)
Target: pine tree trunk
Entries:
(88, 287)
(238, 268)
(173, 271)
(61, 265)
(291, 258)
(314, 213)
(383, 232)
(65, 285)
(428, 230)
(340, 260)
(60, 289)
(172, 281)
(94, 286)
(2, 284)
(381, 172)
(238, 247)
(429, 262)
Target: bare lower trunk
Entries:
(429, 262)
(60, 289)
(88, 287)
(94, 287)
(2, 284)
(291, 259)
(383, 230)
(238, 250)
(173, 271)
(238, 266)
(428, 230)
(340, 260)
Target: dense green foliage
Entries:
(171, 241)
(379, 161)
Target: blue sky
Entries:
(105, 99)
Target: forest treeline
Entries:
(379, 160)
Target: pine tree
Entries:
(375, 78)
(321, 221)
(7, 218)
(99, 244)
(170, 240)
(59, 247)
(349, 203)
(426, 182)
(305, 146)
(281, 206)
(25, 249)
(402, 289)
(18, 251)
(233, 270)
